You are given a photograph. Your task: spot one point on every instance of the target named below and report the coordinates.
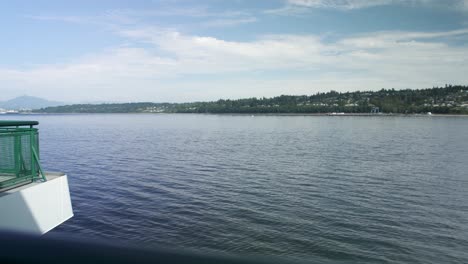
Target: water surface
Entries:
(320, 189)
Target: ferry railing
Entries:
(19, 153)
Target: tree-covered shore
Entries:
(451, 99)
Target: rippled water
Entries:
(322, 189)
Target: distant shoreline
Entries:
(451, 100)
(257, 114)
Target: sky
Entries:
(182, 51)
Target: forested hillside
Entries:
(442, 100)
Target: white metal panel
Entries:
(36, 208)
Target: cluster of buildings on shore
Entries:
(7, 111)
(13, 111)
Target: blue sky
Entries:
(176, 51)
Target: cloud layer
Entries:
(170, 58)
(162, 63)
(357, 4)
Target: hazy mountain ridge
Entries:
(28, 102)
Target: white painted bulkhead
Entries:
(36, 207)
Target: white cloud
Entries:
(294, 7)
(158, 71)
(341, 4)
(229, 22)
(119, 17)
(298, 7)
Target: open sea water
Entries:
(318, 189)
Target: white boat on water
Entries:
(335, 113)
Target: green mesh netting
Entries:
(17, 164)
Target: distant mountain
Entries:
(28, 102)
